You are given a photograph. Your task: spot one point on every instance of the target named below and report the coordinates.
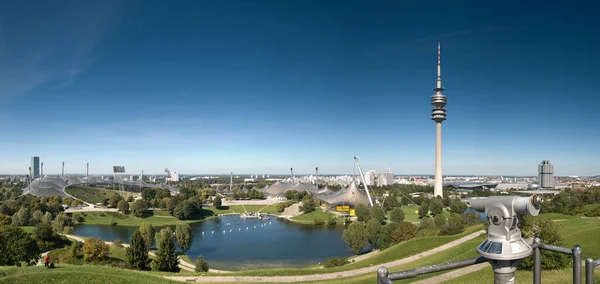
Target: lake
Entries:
(232, 243)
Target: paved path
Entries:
(326, 276)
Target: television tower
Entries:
(438, 114)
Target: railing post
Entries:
(589, 271)
(576, 264)
(382, 273)
(537, 262)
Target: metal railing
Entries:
(386, 277)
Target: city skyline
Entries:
(268, 86)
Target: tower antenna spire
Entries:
(439, 67)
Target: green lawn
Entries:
(76, 274)
(556, 216)
(308, 218)
(409, 213)
(402, 250)
(95, 195)
(486, 275)
(157, 218)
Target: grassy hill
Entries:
(308, 218)
(76, 274)
(95, 195)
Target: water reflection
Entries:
(231, 243)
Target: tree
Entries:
(95, 250)
(356, 237)
(404, 232)
(184, 236)
(457, 207)
(397, 215)
(472, 218)
(201, 265)
(456, 224)
(427, 224)
(166, 256)
(114, 200)
(184, 210)
(308, 204)
(123, 206)
(139, 208)
(390, 202)
(385, 237)
(60, 222)
(362, 212)
(76, 249)
(130, 198)
(137, 252)
(37, 216)
(147, 231)
(548, 231)
(17, 245)
(436, 206)
(373, 231)
(21, 218)
(217, 202)
(377, 213)
(440, 221)
(47, 218)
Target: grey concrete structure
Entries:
(438, 114)
(349, 196)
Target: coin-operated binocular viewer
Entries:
(505, 248)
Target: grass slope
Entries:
(76, 274)
(308, 218)
(156, 218)
(94, 195)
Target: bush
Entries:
(427, 224)
(385, 237)
(427, 233)
(76, 249)
(281, 206)
(112, 223)
(332, 221)
(594, 212)
(95, 250)
(440, 221)
(472, 218)
(201, 265)
(404, 232)
(335, 262)
(548, 231)
(308, 204)
(456, 224)
(397, 215)
(123, 206)
(68, 230)
(118, 243)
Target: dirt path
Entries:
(291, 211)
(326, 276)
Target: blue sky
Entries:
(262, 86)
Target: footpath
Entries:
(327, 276)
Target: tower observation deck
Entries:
(438, 114)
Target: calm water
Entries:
(272, 244)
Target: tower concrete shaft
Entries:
(438, 114)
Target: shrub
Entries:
(335, 262)
(397, 215)
(472, 218)
(549, 232)
(118, 243)
(427, 224)
(456, 224)
(123, 206)
(281, 206)
(427, 233)
(76, 249)
(318, 222)
(95, 250)
(201, 265)
(332, 221)
(68, 230)
(440, 221)
(112, 223)
(404, 232)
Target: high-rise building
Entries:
(438, 114)
(546, 174)
(389, 176)
(370, 177)
(35, 167)
(174, 177)
(381, 181)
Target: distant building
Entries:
(546, 174)
(174, 177)
(35, 167)
(389, 176)
(370, 177)
(381, 181)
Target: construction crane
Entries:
(292, 170)
(363, 180)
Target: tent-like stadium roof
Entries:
(278, 188)
(350, 196)
(52, 186)
(325, 191)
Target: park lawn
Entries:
(409, 213)
(556, 216)
(266, 209)
(160, 219)
(95, 195)
(399, 251)
(28, 229)
(583, 232)
(77, 274)
(309, 218)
